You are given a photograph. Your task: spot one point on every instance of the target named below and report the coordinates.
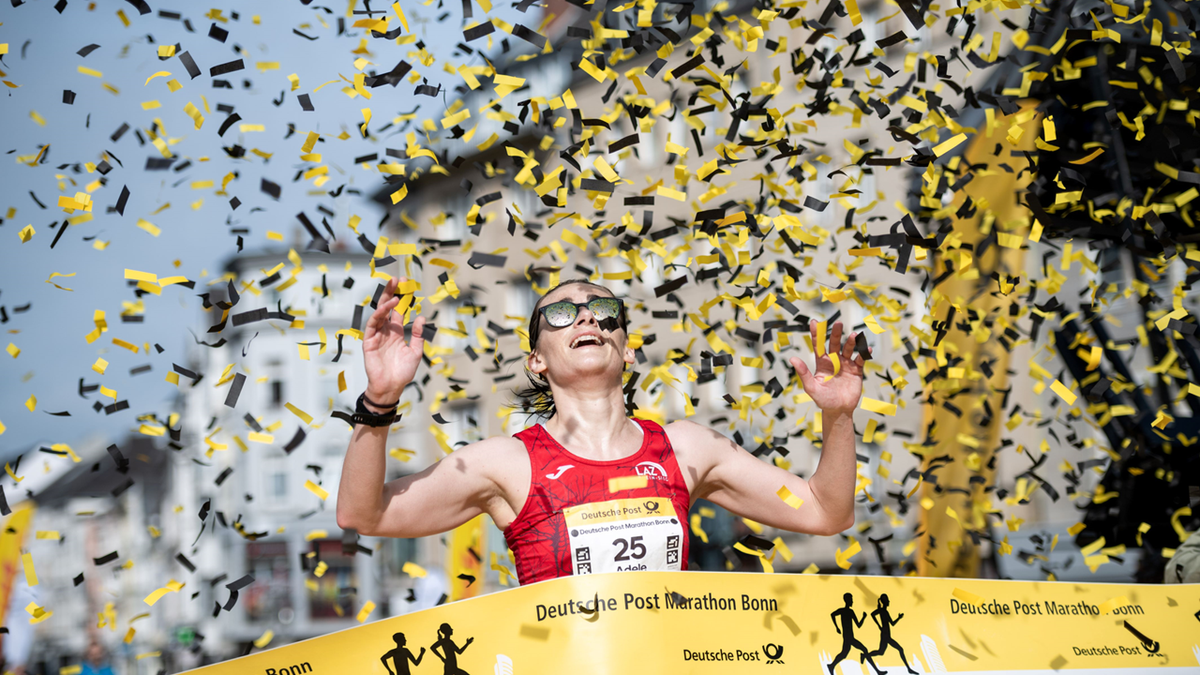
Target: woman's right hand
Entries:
(390, 362)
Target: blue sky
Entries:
(42, 59)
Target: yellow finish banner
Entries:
(702, 622)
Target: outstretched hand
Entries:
(391, 363)
(835, 389)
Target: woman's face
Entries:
(583, 349)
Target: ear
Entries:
(630, 356)
(535, 363)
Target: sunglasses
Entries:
(563, 313)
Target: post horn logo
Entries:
(777, 656)
(1151, 646)
(651, 506)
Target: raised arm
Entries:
(438, 499)
(731, 477)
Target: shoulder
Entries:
(697, 447)
(489, 450)
(690, 436)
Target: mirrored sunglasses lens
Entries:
(560, 314)
(604, 308)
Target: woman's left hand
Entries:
(834, 389)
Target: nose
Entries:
(585, 316)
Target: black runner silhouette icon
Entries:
(400, 657)
(449, 651)
(849, 621)
(884, 620)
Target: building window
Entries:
(333, 597)
(275, 477)
(270, 594)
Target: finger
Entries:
(806, 378)
(389, 290)
(835, 337)
(379, 316)
(848, 348)
(862, 361)
(417, 342)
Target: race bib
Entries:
(624, 535)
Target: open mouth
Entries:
(586, 341)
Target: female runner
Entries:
(591, 490)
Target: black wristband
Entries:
(379, 405)
(366, 417)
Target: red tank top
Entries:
(572, 524)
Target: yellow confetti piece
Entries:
(413, 570)
(125, 345)
(308, 419)
(265, 639)
(161, 73)
(31, 402)
(1063, 392)
(13, 350)
(148, 226)
(843, 557)
(811, 569)
(316, 534)
(627, 483)
(669, 193)
(788, 498)
(880, 407)
(399, 195)
(259, 437)
(948, 145)
(366, 610)
(404, 20)
(1093, 155)
(1109, 605)
(30, 572)
(88, 71)
(156, 595)
(141, 276)
(968, 597)
(316, 490)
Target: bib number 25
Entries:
(631, 548)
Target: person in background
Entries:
(1184, 566)
(95, 660)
